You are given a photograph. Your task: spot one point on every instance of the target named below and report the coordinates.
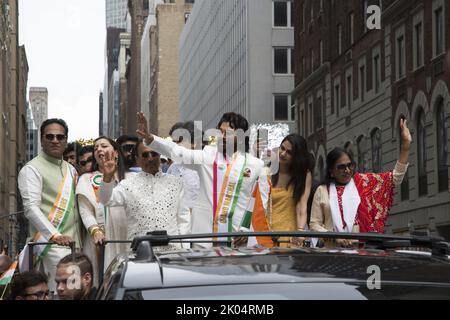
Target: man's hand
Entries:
(240, 241)
(142, 128)
(109, 164)
(62, 240)
(347, 243)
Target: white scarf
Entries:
(350, 204)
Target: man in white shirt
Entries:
(228, 174)
(47, 186)
(191, 180)
(152, 200)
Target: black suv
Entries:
(381, 267)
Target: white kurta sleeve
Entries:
(111, 195)
(184, 216)
(86, 211)
(179, 154)
(30, 186)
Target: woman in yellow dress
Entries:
(291, 188)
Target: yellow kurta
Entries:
(283, 215)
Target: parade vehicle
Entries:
(380, 267)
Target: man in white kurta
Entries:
(227, 179)
(47, 186)
(152, 199)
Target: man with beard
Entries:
(128, 144)
(232, 181)
(75, 278)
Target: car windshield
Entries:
(294, 291)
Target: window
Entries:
(400, 57)
(302, 122)
(321, 52)
(282, 108)
(303, 68)
(439, 30)
(376, 72)
(361, 149)
(337, 98)
(376, 150)
(303, 16)
(362, 82)
(422, 154)
(418, 45)
(349, 91)
(339, 29)
(283, 58)
(318, 118)
(312, 60)
(321, 167)
(442, 146)
(352, 28)
(282, 13)
(310, 117)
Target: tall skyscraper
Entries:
(39, 106)
(116, 11)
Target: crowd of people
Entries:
(76, 197)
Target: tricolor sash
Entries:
(61, 210)
(228, 177)
(101, 214)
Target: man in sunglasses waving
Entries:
(47, 186)
(152, 199)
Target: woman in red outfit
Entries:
(348, 201)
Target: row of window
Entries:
(438, 40)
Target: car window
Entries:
(296, 291)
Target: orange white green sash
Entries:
(61, 210)
(229, 178)
(100, 214)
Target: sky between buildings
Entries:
(65, 44)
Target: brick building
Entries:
(354, 84)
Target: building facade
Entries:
(13, 84)
(237, 56)
(160, 64)
(116, 11)
(353, 84)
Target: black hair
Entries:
(124, 138)
(236, 122)
(48, 122)
(332, 157)
(121, 161)
(84, 150)
(191, 128)
(79, 259)
(72, 146)
(302, 162)
(25, 280)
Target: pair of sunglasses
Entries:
(148, 153)
(59, 137)
(128, 147)
(85, 162)
(342, 167)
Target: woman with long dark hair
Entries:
(291, 187)
(99, 221)
(348, 201)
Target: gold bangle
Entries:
(94, 230)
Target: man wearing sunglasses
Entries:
(47, 186)
(152, 199)
(128, 144)
(85, 159)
